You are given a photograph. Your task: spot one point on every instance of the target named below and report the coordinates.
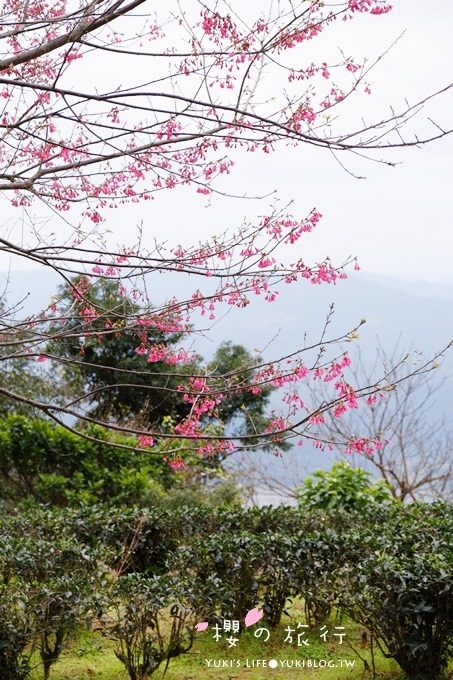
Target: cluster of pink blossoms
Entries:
(57, 152)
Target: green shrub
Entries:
(44, 463)
(235, 560)
(17, 630)
(388, 566)
(398, 582)
(319, 554)
(151, 622)
(277, 579)
(342, 488)
(48, 582)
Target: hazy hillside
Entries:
(417, 314)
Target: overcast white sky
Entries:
(398, 221)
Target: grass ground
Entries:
(92, 656)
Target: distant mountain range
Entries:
(399, 314)
(418, 315)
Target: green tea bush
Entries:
(319, 554)
(152, 622)
(386, 565)
(398, 582)
(277, 577)
(17, 630)
(235, 560)
(48, 583)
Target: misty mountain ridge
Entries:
(399, 316)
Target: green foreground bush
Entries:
(388, 567)
(398, 582)
(44, 463)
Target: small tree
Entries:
(342, 488)
(415, 460)
(47, 583)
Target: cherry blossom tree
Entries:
(107, 103)
(414, 460)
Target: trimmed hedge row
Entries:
(390, 571)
